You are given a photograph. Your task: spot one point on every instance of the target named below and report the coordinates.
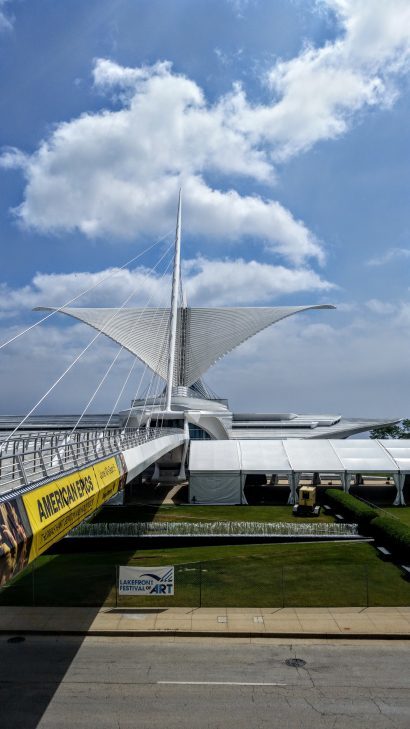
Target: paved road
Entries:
(141, 683)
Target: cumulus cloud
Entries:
(392, 254)
(207, 282)
(381, 307)
(315, 363)
(117, 172)
(311, 364)
(227, 282)
(26, 379)
(308, 366)
(318, 93)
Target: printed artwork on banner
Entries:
(15, 539)
(31, 523)
(146, 581)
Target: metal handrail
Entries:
(36, 457)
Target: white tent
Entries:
(218, 468)
(215, 472)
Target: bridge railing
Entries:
(26, 459)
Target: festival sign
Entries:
(146, 581)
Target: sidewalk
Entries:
(380, 623)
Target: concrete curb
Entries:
(207, 634)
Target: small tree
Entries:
(401, 430)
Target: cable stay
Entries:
(74, 362)
(86, 291)
(104, 377)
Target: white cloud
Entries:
(239, 6)
(6, 21)
(314, 364)
(206, 281)
(318, 93)
(381, 307)
(25, 379)
(391, 254)
(118, 172)
(227, 282)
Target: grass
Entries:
(402, 513)
(201, 513)
(290, 575)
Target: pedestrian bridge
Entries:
(51, 481)
(39, 456)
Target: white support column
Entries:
(399, 479)
(293, 479)
(243, 497)
(174, 308)
(155, 475)
(182, 474)
(346, 478)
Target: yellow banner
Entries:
(57, 507)
(108, 479)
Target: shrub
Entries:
(351, 508)
(393, 534)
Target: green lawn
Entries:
(401, 512)
(318, 574)
(201, 513)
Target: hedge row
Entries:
(389, 532)
(351, 507)
(393, 534)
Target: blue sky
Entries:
(287, 125)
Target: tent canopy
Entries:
(255, 459)
(214, 456)
(399, 450)
(300, 456)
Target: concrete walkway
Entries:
(358, 622)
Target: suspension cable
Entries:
(116, 356)
(86, 291)
(135, 360)
(152, 379)
(75, 360)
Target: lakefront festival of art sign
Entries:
(146, 581)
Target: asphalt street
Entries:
(191, 683)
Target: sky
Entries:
(285, 122)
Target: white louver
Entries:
(204, 335)
(212, 333)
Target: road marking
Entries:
(219, 683)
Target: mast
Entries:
(174, 307)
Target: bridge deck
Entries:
(32, 457)
(50, 482)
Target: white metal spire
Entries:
(174, 307)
